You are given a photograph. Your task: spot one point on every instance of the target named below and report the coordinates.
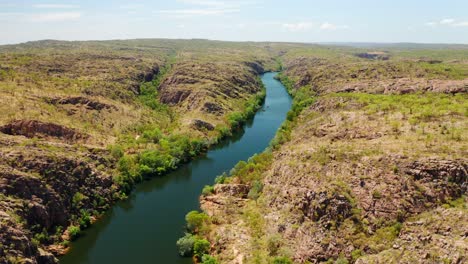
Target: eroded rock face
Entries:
(348, 184)
(46, 190)
(437, 234)
(174, 97)
(455, 171)
(234, 190)
(86, 102)
(202, 125)
(256, 66)
(34, 128)
(326, 207)
(194, 86)
(213, 108)
(373, 55)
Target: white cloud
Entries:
(297, 27)
(461, 24)
(56, 6)
(39, 17)
(131, 6)
(196, 12)
(330, 26)
(55, 17)
(306, 26)
(448, 22)
(206, 7)
(218, 4)
(203, 2)
(10, 15)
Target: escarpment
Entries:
(372, 168)
(225, 80)
(79, 118)
(34, 128)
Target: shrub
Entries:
(153, 135)
(74, 232)
(341, 260)
(157, 161)
(116, 151)
(42, 237)
(207, 259)
(201, 247)
(77, 198)
(207, 190)
(282, 260)
(185, 245)
(85, 219)
(235, 119)
(273, 244)
(196, 221)
(356, 254)
(221, 178)
(255, 191)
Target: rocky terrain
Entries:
(370, 167)
(83, 122)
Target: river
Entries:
(145, 227)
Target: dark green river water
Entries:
(145, 227)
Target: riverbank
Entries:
(153, 216)
(361, 172)
(84, 122)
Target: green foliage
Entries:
(253, 169)
(255, 190)
(381, 240)
(170, 152)
(129, 173)
(185, 245)
(341, 260)
(207, 259)
(85, 219)
(282, 260)
(220, 179)
(274, 243)
(74, 232)
(196, 221)
(154, 162)
(357, 253)
(201, 247)
(77, 198)
(376, 194)
(421, 107)
(116, 151)
(149, 90)
(42, 237)
(207, 190)
(457, 203)
(238, 119)
(153, 135)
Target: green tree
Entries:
(196, 221)
(201, 247)
(207, 259)
(185, 245)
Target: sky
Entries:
(420, 21)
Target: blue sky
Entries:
(428, 21)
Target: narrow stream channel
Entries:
(145, 227)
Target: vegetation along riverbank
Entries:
(370, 165)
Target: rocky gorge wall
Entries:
(363, 175)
